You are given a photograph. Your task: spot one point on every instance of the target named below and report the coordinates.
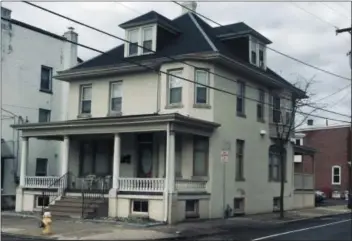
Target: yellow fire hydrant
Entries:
(46, 223)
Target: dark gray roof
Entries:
(190, 40)
(239, 29)
(150, 17)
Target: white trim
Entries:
(140, 40)
(196, 86)
(332, 175)
(316, 128)
(202, 32)
(258, 46)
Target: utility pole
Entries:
(349, 161)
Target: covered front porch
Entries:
(131, 156)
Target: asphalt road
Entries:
(338, 227)
(6, 237)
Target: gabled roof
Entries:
(196, 37)
(239, 29)
(148, 18)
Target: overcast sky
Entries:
(302, 30)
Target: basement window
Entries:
(192, 208)
(238, 206)
(42, 201)
(139, 206)
(276, 204)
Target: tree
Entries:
(284, 118)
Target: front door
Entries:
(145, 155)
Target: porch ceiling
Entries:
(121, 124)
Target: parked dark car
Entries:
(319, 197)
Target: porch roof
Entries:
(120, 124)
(304, 150)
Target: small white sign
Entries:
(224, 156)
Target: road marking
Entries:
(300, 230)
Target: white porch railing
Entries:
(41, 182)
(141, 184)
(191, 185)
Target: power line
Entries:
(128, 7)
(312, 14)
(230, 30)
(169, 74)
(334, 10)
(126, 41)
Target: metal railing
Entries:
(93, 191)
(49, 196)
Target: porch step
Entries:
(69, 206)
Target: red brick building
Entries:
(332, 170)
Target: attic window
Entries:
(257, 53)
(142, 36)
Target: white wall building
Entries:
(148, 143)
(29, 58)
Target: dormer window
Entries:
(133, 45)
(257, 53)
(142, 36)
(147, 39)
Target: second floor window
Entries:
(44, 115)
(133, 45)
(147, 39)
(175, 87)
(46, 78)
(260, 105)
(201, 91)
(276, 109)
(240, 97)
(116, 97)
(86, 99)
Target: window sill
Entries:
(242, 115)
(46, 91)
(174, 106)
(240, 179)
(114, 113)
(84, 115)
(201, 106)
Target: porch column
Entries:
(170, 162)
(116, 161)
(65, 155)
(24, 159)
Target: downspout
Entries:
(166, 183)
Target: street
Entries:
(332, 228)
(6, 237)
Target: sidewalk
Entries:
(74, 229)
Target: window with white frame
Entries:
(201, 91)
(41, 167)
(336, 175)
(147, 40)
(133, 36)
(240, 105)
(86, 99)
(175, 87)
(275, 106)
(142, 40)
(116, 96)
(257, 53)
(200, 156)
(260, 105)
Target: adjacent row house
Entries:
(30, 56)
